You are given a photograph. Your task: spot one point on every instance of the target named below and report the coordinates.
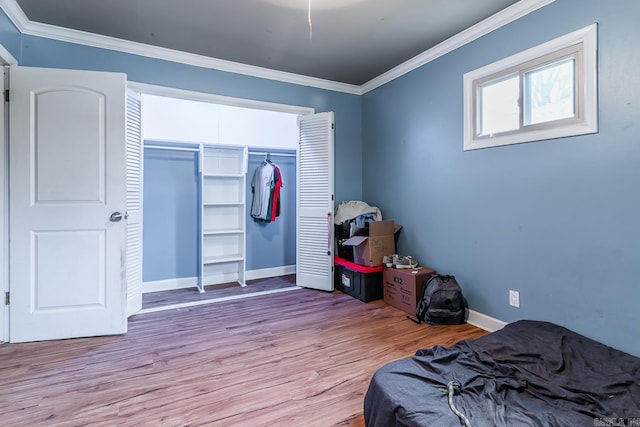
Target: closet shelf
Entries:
(205, 204)
(222, 259)
(222, 175)
(222, 220)
(221, 232)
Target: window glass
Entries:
(549, 92)
(499, 111)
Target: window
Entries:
(549, 91)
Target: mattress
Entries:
(529, 373)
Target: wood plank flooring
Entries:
(297, 358)
(180, 296)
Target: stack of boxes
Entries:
(359, 271)
(358, 265)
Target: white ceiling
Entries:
(349, 41)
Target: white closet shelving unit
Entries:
(223, 171)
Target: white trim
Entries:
(500, 19)
(4, 210)
(586, 123)
(485, 322)
(7, 57)
(192, 282)
(170, 148)
(17, 16)
(265, 273)
(169, 284)
(214, 300)
(220, 278)
(149, 89)
(504, 17)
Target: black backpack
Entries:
(441, 302)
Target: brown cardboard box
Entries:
(402, 288)
(372, 243)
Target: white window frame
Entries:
(582, 45)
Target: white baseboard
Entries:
(215, 300)
(169, 284)
(216, 279)
(485, 322)
(191, 282)
(264, 273)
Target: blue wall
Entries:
(171, 208)
(170, 219)
(42, 52)
(273, 244)
(10, 37)
(557, 220)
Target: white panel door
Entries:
(134, 203)
(314, 231)
(67, 203)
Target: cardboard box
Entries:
(372, 243)
(402, 288)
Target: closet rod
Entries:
(264, 153)
(164, 147)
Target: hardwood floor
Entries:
(154, 300)
(297, 358)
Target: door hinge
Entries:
(6, 95)
(6, 298)
(333, 125)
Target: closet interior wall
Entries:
(197, 225)
(170, 216)
(190, 228)
(271, 246)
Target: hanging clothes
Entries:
(265, 185)
(275, 203)
(261, 186)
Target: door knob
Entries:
(115, 217)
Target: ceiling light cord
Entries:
(309, 19)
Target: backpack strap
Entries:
(416, 320)
(420, 316)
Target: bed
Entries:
(529, 373)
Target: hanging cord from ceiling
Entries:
(309, 20)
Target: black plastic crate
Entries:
(342, 230)
(342, 234)
(359, 281)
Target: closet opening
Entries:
(200, 241)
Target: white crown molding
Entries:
(500, 19)
(504, 17)
(15, 14)
(20, 20)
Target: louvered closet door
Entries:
(314, 249)
(134, 203)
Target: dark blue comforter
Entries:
(527, 374)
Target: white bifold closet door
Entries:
(133, 215)
(314, 229)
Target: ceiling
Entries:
(348, 41)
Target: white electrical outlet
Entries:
(514, 298)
